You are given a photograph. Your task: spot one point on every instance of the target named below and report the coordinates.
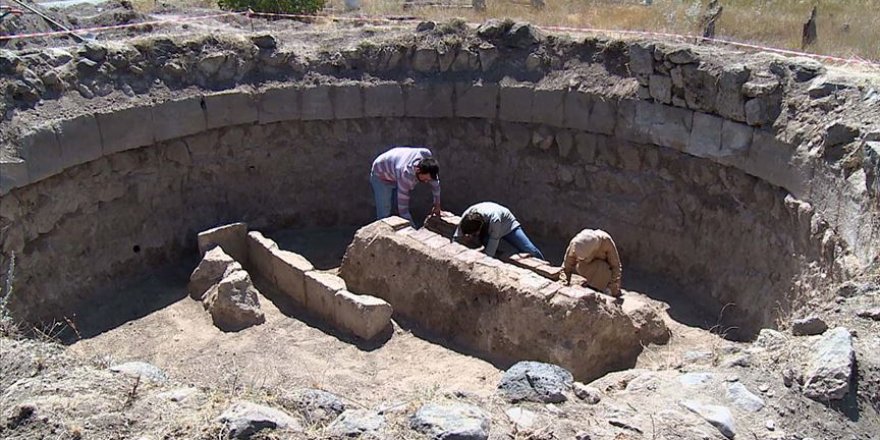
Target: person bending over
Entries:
(396, 172)
(593, 254)
(490, 223)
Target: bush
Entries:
(274, 6)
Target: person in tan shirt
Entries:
(593, 254)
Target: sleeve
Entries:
(492, 246)
(570, 261)
(613, 259)
(435, 190)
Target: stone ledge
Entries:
(230, 107)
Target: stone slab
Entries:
(429, 100)
(13, 174)
(321, 288)
(364, 316)
(316, 103)
(41, 151)
(80, 140)
(126, 129)
(548, 107)
(476, 100)
(383, 100)
(280, 104)
(232, 107)
(260, 259)
(289, 269)
(705, 140)
(178, 118)
(516, 103)
(232, 238)
(348, 101)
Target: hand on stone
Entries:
(436, 211)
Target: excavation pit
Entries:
(713, 177)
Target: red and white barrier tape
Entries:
(399, 19)
(118, 26)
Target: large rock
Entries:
(489, 306)
(743, 398)
(141, 369)
(830, 366)
(234, 303)
(357, 422)
(244, 419)
(317, 406)
(811, 325)
(718, 416)
(535, 382)
(451, 421)
(215, 265)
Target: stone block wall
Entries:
(320, 294)
(496, 310)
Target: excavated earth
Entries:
(741, 188)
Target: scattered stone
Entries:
(425, 26)
(588, 394)
(582, 435)
(178, 394)
(695, 357)
(244, 419)
(770, 425)
(624, 425)
(763, 387)
(522, 418)
(451, 421)
(839, 133)
(718, 416)
(234, 303)
(743, 360)
(870, 314)
(356, 422)
(142, 369)
(215, 265)
(770, 339)
(695, 379)
(536, 382)
(743, 398)
(94, 52)
(265, 42)
(829, 371)
(811, 325)
(682, 56)
(317, 406)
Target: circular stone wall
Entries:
(672, 151)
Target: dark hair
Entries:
(471, 223)
(431, 166)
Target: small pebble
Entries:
(763, 387)
(771, 425)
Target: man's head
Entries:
(471, 224)
(428, 169)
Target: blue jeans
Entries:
(385, 193)
(518, 239)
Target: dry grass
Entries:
(845, 27)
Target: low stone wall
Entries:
(499, 311)
(320, 294)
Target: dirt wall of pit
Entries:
(714, 174)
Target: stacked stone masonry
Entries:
(321, 294)
(697, 154)
(496, 310)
